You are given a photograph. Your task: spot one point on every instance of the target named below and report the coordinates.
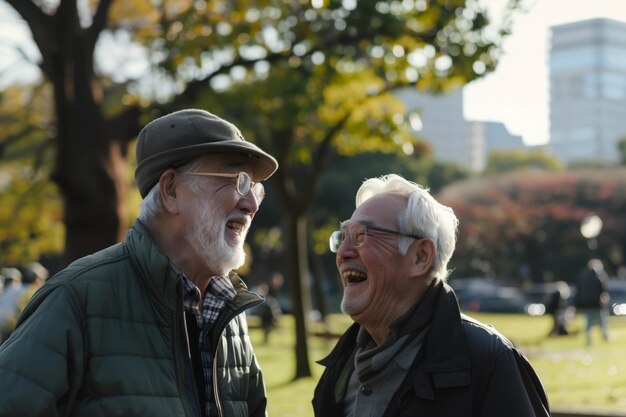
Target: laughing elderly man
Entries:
(154, 326)
(410, 351)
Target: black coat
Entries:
(589, 289)
(464, 369)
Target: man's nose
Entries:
(249, 203)
(346, 248)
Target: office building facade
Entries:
(587, 65)
(452, 138)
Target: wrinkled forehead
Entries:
(380, 210)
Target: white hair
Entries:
(423, 216)
(151, 204)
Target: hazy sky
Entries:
(517, 92)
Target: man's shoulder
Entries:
(92, 267)
(484, 338)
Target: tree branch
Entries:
(100, 19)
(193, 88)
(11, 139)
(38, 22)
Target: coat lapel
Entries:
(446, 361)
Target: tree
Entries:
(31, 212)
(308, 82)
(519, 220)
(621, 147)
(90, 146)
(502, 161)
(441, 174)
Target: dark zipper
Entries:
(214, 346)
(181, 360)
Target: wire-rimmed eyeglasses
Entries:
(358, 235)
(243, 183)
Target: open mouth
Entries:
(237, 226)
(353, 277)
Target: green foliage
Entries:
(588, 164)
(374, 46)
(348, 173)
(621, 147)
(499, 162)
(441, 174)
(306, 80)
(31, 212)
(433, 45)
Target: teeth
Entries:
(354, 275)
(235, 225)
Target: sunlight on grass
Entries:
(575, 376)
(286, 397)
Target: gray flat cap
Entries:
(178, 137)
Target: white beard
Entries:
(207, 238)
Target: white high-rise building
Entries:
(453, 139)
(587, 67)
(441, 123)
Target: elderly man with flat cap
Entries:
(154, 326)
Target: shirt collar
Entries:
(219, 287)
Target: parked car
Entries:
(482, 295)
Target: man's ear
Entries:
(168, 184)
(422, 253)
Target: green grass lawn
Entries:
(575, 376)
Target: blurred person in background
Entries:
(557, 308)
(10, 300)
(36, 274)
(155, 325)
(268, 312)
(410, 351)
(592, 298)
(32, 277)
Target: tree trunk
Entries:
(94, 207)
(319, 277)
(298, 267)
(90, 167)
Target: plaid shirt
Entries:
(219, 291)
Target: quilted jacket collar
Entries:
(157, 272)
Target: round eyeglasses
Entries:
(243, 183)
(358, 235)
